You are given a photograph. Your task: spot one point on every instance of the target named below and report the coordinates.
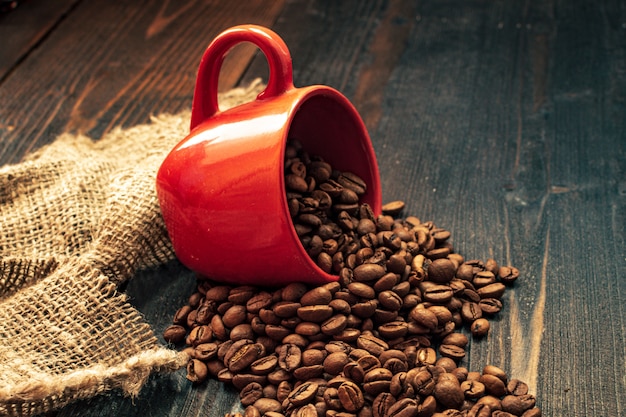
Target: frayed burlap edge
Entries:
(31, 382)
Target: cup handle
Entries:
(205, 103)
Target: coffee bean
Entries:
(197, 371)
(406, 407)
(350, 396)
(289, 357)
(251, 411)
(302, 395)
(205, 351)
(441, 271)
(174, 334)
(517, 387)
(244, 356)
(517, 404)
(448, 393)
(493, 385)
(258, 302)
(479, 410)
(308, 410)
(199, 335)
(495, 290)
(424, 317)
(480, 327)
(316, 296)
(381, 404)
(251, 393)
(368, 272)
(352, 182)
(490, 305)
(372, 344)
(265, 405)
(508, 274)
(335, 362)
(473, 389)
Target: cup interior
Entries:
(327, 125)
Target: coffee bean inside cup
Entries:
(388, 338)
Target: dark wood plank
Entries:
(116, 63)
(25, 26)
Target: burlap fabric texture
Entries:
(78, 218)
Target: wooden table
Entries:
(502, 121)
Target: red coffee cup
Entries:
(221, 189)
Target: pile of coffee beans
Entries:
(384, 340)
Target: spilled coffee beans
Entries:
(381, 341)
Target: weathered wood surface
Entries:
(503, 122)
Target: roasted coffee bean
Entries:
(251, 411)
(244, 356)
(335, 363)
(381, 404)
(473, 389)
(372, 344)
(197, 371)
(426, 356)
(452, 351)
(508, 274)
(423, 382)
(331, 398)
(361, 290)
(174, 334)
(406, 407)
(365, 308)
(533, 412)
(302, 395)
(316, 296)
(441, 271)
(495, 290)
(424, 317)
(436, 293)
(305, 373)
(393, 208)
(266, 405)
(308, 410)
(480, 327)
(251, 393)
(517, 387)
(448, 392)
(479, 410)
(471, 311)
(393, 330)
(205, 351)
(289, 357)
(368, 272)
(490, 305)
(493, 385)
(259, 301)
(352, 182)
(334, 325)
(517, 404)
(350, 396)
(199, 335)
(491, 401)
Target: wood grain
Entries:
(113, 64)
(23, 29)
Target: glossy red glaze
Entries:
(221, 189)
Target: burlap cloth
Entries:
(78, 218)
